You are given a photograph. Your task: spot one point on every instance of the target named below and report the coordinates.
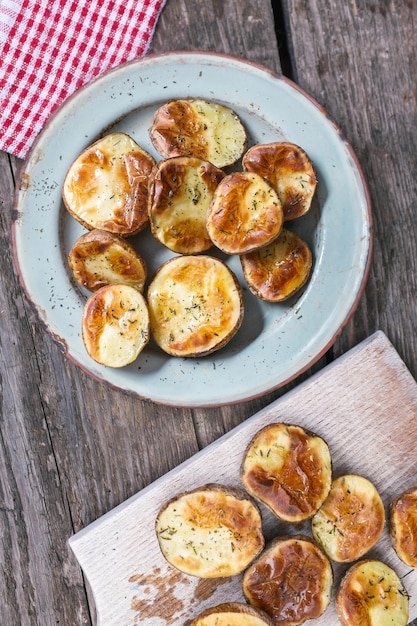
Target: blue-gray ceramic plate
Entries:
(276, 342)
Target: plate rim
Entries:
(22, 185)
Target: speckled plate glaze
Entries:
(276, 342)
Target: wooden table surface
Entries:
(72, 448)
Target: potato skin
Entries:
(291, 580)
(115, 325)
(289, 170)
(403, 526)
(106, 187)
(371, 593)
(195, 305)
(351, 520)
(212, 531)
(201, 128)
(278, 270)
(245, 213)
(288, 469)
(99, 258)
(232, 614)
(180, 191)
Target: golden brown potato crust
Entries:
(107, 186)
(176, 131)
(180, 191)
(99, 258)
(289, 170)
(212, 531)
(403, 526)
(195, 305)
(115, 325)
(200, 128)
(232, 614)
(278, 270)
(291, 581)
(351, 520)
(287, 469)
(372, 594)
(245, 213)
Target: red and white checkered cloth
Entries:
(50, 48)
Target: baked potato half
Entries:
(403, 526)
(195, 305)
(288, 469)
(212, 531)
(99, 258)
(232, 614)
(372, 593)
(291, 580)
(106, 186)
(351, 520)
(180, 191)
(244, 214)
(289, 170)
(278, 270)
(201, 128)
(115, 325)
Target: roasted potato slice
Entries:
(288, 469)
(351, 520)
(212, 531)
(232, 614)
(245, 213)
(278, 270)
(201, 128)
(195, 305)
(106, 186)
(371, 593)
(291, 580)
(115, 325)
(99, 258)
(180, 191)
(289, 170)
(403, 526)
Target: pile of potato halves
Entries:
(194, 304)
(215, 531)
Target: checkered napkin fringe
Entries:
(50, 48)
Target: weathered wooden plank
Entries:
(35, 518)
(72, 448)
(359, 60)
(243, 29)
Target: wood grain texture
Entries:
(345, 57)
(38, 569)
(244, 29)
(120, 553)
(71, 449)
